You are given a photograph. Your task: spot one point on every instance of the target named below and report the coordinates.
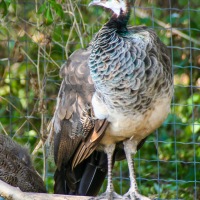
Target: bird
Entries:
(88, 176)
(16, 167)
(114, 94)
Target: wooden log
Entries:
(13, 193)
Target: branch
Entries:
(13, 193)
(142, 14)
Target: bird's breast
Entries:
(136, 125)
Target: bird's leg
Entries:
(109, 151)
(130, 148)
(109, 194)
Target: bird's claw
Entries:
(134, 196)
(109, 196)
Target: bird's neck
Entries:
(119, 22)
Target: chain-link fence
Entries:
(36, 37)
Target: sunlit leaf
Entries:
(48, 16)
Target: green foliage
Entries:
(3, 8)
(36, 39)
(47, 9)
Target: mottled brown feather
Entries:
(77, 132)
(90, 143)
(16, 168)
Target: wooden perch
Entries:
(13, 193)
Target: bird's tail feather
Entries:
(94, 175)
(86, 178)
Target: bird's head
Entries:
(116, 6)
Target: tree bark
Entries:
(13, 193)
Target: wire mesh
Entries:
(167, 167)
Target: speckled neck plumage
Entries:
(120, 23)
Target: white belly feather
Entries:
(136, 126)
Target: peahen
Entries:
(16, 167)
(113, 95)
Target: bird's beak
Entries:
(94, 2)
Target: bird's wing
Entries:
(89, 145)
(77, 132)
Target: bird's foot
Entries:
(109, 196)
(134, 195)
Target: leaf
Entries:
(48, 16)
(57, 8)
(13, 6)
(195, 127)
(8, 1)
(3, 9)
(4, 31)
(42, 9)
(59, 11)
